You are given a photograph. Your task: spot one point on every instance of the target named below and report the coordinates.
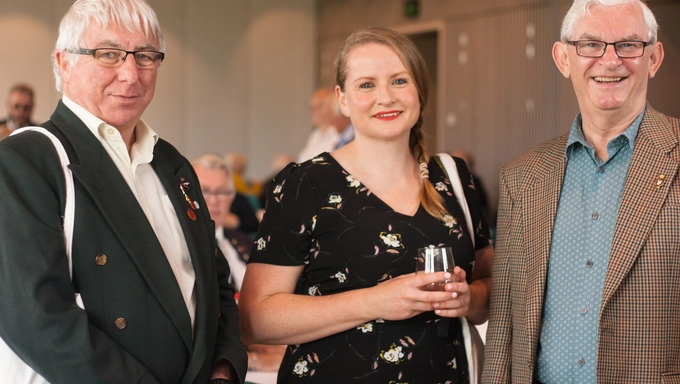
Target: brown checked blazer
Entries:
(639, 325)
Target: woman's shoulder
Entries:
(318, 167)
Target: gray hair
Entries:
(580, 8)
(132, 15)
(214, 162)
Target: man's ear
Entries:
(63, 63)
(559, 54)
(655, 58)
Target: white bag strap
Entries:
(12, 368)
(70, 208)
(457, 185)
(471, 351)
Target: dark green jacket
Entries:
(136, 327)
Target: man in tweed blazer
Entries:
(586, 278)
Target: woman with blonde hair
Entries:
(345, 228)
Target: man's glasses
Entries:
(114, 57)
(218, 193)
(596, 49)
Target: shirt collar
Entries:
(576, 133)
(145, 137)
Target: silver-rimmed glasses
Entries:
(596, 49)
(114, 57)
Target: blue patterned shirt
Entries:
(579, 256)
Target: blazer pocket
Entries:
(670, 378)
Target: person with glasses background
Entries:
(20, 102)
(217, 186)
(586, 279)
(158, 306)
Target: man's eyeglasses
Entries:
(596, 49)
(114, 57)
(219, 193)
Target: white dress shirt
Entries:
(237, 266)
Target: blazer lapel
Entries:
(95, 170)
(655, 157)
(198, 241)
(539, 208)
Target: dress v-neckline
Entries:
(376, 197)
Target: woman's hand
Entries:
(403, 297)
(458, 304)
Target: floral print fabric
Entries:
(320, 216)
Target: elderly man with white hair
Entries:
(158, 307)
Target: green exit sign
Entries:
(412, 8)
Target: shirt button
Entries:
(595, 216)
(584, 310)
(581, 362)
(110, 131)
(600, 169)
(121, 323)
(589, 263)
(101, 260)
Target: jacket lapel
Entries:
(655, 157)
(198, 241)
(539, 208)
(95, 170)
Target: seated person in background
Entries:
(218, 190)
(245, 218)
(332, 129)
(19, 107)
(238, 165)
(323, 137)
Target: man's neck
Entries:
(600, 129)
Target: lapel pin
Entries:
(185, 186)
(660, 181)
(191, 214)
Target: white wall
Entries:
(237, 76)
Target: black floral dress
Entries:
(320, 216)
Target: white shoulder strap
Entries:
(473, 344)
(70, 208)
(12, 368)
(457, 185)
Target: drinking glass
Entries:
(435, 259)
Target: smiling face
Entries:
(609, 83)
(380, 95)
(117, 95)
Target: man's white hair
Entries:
(581, 8)
(131, 15)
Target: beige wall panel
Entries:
(281, 77)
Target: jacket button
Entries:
(101, 260)
(121, 323)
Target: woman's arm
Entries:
(272, 314)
